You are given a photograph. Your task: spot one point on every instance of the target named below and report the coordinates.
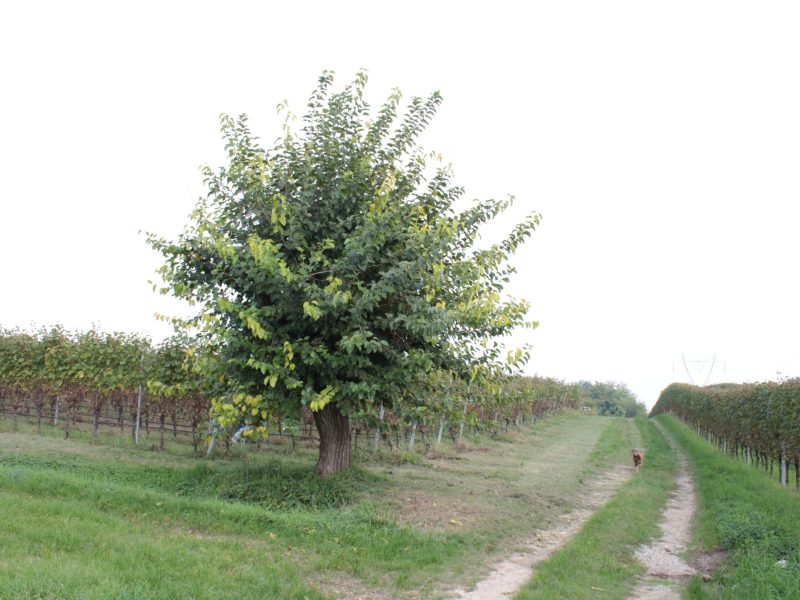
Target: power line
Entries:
(703, 364)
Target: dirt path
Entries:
(665, 567)
(509, 575)
(537, 486)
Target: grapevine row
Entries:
(758, 422)
(114, 379)
(56, 371)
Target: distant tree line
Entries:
(612, 399)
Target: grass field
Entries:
(108, 520)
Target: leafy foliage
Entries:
(334, 270)
(762, 416)
(612, 399)
(44, 365)
(99, 370)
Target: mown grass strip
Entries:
(745, 513)
(354, 540)
(613, 447)
(599, 562)
(67, 549)
(271, 483)
(81, 518)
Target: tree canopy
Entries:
(612, 398)
(335, 270)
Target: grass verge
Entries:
(71, 535)
(746, 514)
(599, 562)
(613, 448)
(87, 520)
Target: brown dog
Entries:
(638, 457)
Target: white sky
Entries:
(660, 141)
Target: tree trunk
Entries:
(334, 440)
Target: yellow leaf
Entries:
(323, 398)
(312, 310)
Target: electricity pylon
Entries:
(701, 366)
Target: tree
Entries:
(631, 407)
(333, 270)
(613, 399)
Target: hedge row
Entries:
(60, 376)
(759, 422)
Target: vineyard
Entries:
(122, 382)
(758, 423)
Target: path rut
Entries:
(666, 569)
(510, 574)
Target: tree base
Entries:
(334, 440)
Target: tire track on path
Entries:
(510, 574)
(666, 569)
(554, 474)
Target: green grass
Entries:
(95, 533)
(614, 446)
(598, 562)
(89, 520)
(749, 516)
(79, 527)
(271, 483)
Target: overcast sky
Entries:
(660, 142)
